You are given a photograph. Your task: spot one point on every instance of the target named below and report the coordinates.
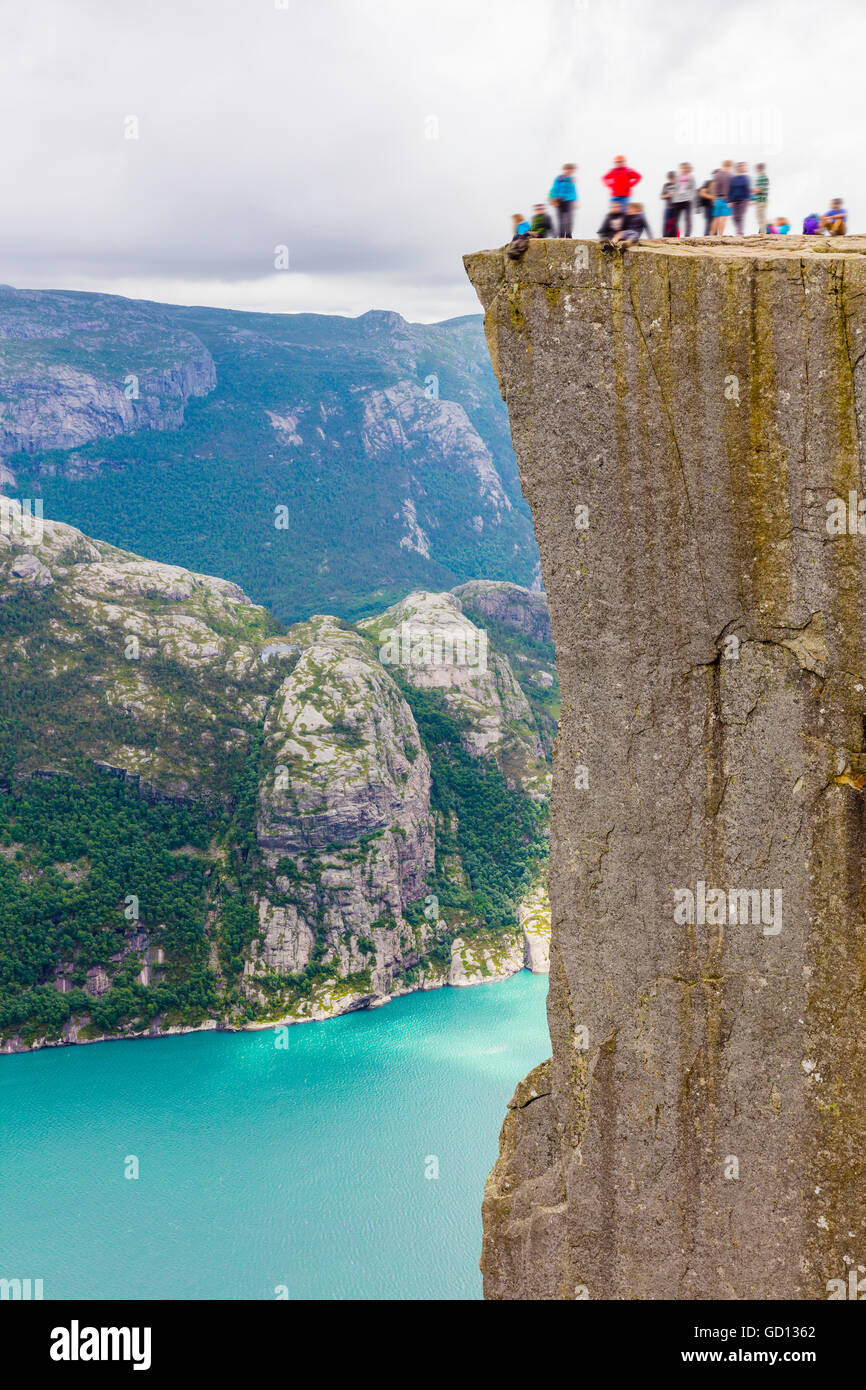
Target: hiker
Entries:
(633, 224)
(681, 199)
(761, 195)
(614, 222)
(519, 237)
(739, 196)
(783, 226)
(721, 189)
(563, 195)
(811, 224)
(620, 180)
(835, 220)
(669, 224)
(541, 224)
(636, 225)
(705, 202)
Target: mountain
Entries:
(208, 819)
(324, 464)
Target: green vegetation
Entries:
(501, 833)
(86, 868)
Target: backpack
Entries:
(518, 247)
(811, 225)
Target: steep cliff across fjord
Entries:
(208, 821)
(689, 425)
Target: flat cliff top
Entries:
(559, 252)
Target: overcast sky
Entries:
(378, 140)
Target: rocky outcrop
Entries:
(534, 916)
(689, 424)
(481, 961)
(344, 817)
(514, 607)
(429, 640)
(76, 368)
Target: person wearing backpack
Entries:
(739, 196)
(761, 196)
(682, 198)
(563, 195)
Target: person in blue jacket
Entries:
(563, 195)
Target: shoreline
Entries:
(358, 1004)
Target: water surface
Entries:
(260, 1167)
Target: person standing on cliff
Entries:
(761, 195)
(705, 202)
(669, 222)
(682, 198)
(563, 195)
(721, 190)
(620, 180)
(740, 196)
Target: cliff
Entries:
(688, 422)
(206, 820)
(75, 368)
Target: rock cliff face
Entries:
(689, 424)
(345, 788)
(435, 646)
(80, 367)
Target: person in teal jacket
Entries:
(563, 195)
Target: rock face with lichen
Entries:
(688, 421)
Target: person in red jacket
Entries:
(621, 180)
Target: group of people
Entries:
(727, 193)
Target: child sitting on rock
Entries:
(519, 238)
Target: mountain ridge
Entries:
(323, 463)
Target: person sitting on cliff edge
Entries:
(835, 220)
(519, 237)
(542, 224)
(633, 225)
(613, 224)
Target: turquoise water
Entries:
(260, 1167)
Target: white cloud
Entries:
(310, 126)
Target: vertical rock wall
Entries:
(684, 416)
